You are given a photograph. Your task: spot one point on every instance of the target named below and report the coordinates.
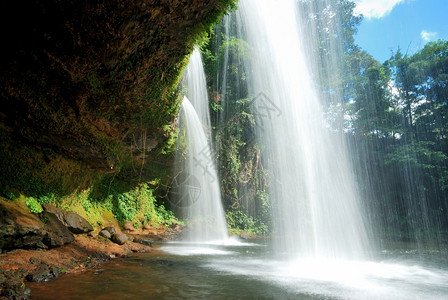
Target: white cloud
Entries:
(428, 36)
(375, 8)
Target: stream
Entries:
(248, 270)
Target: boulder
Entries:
(106, 234)
(74, 222)
(56, 233)
(20, 229)
(119, 238)
(110, 229)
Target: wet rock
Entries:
(12, 286)
(119, 238)
(106, 234)
(42, 273)
(74, 222)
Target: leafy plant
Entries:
(34, 205)
(166, 216)
(126, 207)
(238, 221)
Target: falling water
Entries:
(316, 207)
(196, 188)
(194, 79)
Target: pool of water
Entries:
(248, 270)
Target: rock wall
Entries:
(89, 87)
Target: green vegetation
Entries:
(138, 206)
(238, 223)
(243, 178)
(34, 205)
(402, 133)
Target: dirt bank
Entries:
(19, 266)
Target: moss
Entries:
(38, 172)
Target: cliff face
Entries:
(91, 85)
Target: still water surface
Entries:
(240, 270)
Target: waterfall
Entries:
(316, 211)
(194, 80)
(196, 188)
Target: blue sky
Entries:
(408, 24)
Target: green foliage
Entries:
(400, 127)
(238, 156)
(126, 207)
(419, 155)
(170, 145)
(165, 216)
(139, 205)
(137, 225)
(48, 198)
(9, 194)
(264, 208)
(238, 221)
(216, 107)
(33, 205)
(235, 52)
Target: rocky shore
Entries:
(37, 248)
